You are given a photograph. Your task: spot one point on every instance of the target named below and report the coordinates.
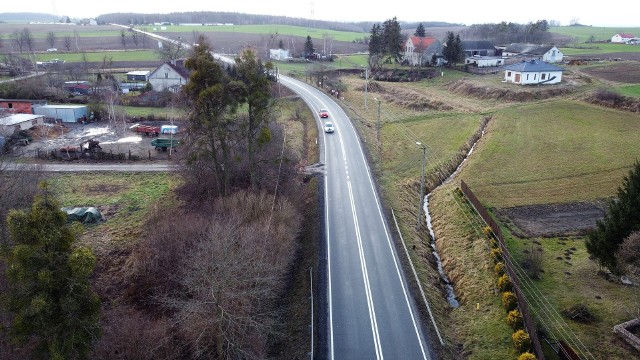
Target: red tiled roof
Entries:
(423, 42)
(626, 35)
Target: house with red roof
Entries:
(171, 76)
(622, 38)
(420, 50)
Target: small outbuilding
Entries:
(279, 54)
(533, 72)
(138, 75)
(484, 61)
(20, 106)
(66, 113)
(17, 122)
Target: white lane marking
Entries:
(365, 276)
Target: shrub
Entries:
(497, 254)
(487, 232)
(509, 300)
(504, 283)
(514, 319)
(527, 356)
(499, 268)
(521, 341)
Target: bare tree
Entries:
(18, 40)
(135, 37)
(76, 35)
(27, 38)
(67, 42)
(171, 51)
(123, 39)
(143, 37)
(51, 39)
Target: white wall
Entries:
(529, 78)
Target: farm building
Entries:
(279, 54)
(169, 76)
(478, 47)
(65, 113)
(527, 52)
(622, 38)
(77, 87)
(533, 72)
(17, 122)
(18, 106)
(420, 50)
(485, 61)
(138, 75)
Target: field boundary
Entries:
(522, 303)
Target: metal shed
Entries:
(65, 113)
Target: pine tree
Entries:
(392, 39)
(420, 31)
(308, 46)
(376, 47)
(620, 220)
(50, 294)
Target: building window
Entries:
(166, 75)
(535, 76)
(543, 76)
(10, 105)
(527, 76)
(508, 73)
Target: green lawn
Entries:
(583, 33)
(631, 90)
(553, 152)
(124, 199)
(281, 30)
(598, 48)
(129, 55)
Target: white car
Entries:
(328, 127)
(52, 50)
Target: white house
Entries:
(169, 76)
(533, 72)
(547, 53)
(17, 122)
(621, 38)
(279, 54)
(420, 50)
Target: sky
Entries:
(621, 13)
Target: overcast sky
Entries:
(620, 13)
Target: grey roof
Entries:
(520, 47)
(533, 66)
(540, 50)
(469, 45)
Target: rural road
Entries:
(370, 311)
(371, 314)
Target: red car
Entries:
(324, 113)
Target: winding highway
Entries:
(371, 314)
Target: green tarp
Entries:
(86, 215)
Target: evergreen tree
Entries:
(419, 31)
(392, 39)
(251, 72)
(621, 219)
(453, 51)
(308, 46)
(281, 45)
(50, 294)
(376, 46)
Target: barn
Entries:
(17, 122)
(66, 113)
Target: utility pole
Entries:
(366, 84)
(378, 130)
(421, 203)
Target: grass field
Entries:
(573, 152)
(281, 30)
(631, 90)
(582, 34)
(141, 111)
(124, 199)
(129, 55)
(598, 48)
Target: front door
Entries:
(517, 78)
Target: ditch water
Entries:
(451, 295)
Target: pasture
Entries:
(582, 34)
(99, 56)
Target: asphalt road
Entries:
(371, 314)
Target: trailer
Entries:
(146, 129)
(164, 144)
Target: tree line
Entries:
(507, 32)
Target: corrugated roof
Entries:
(533, 66)
(469, 45)
(541, 50)
(64, 106)
(18, 118)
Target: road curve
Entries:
(371, 314)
